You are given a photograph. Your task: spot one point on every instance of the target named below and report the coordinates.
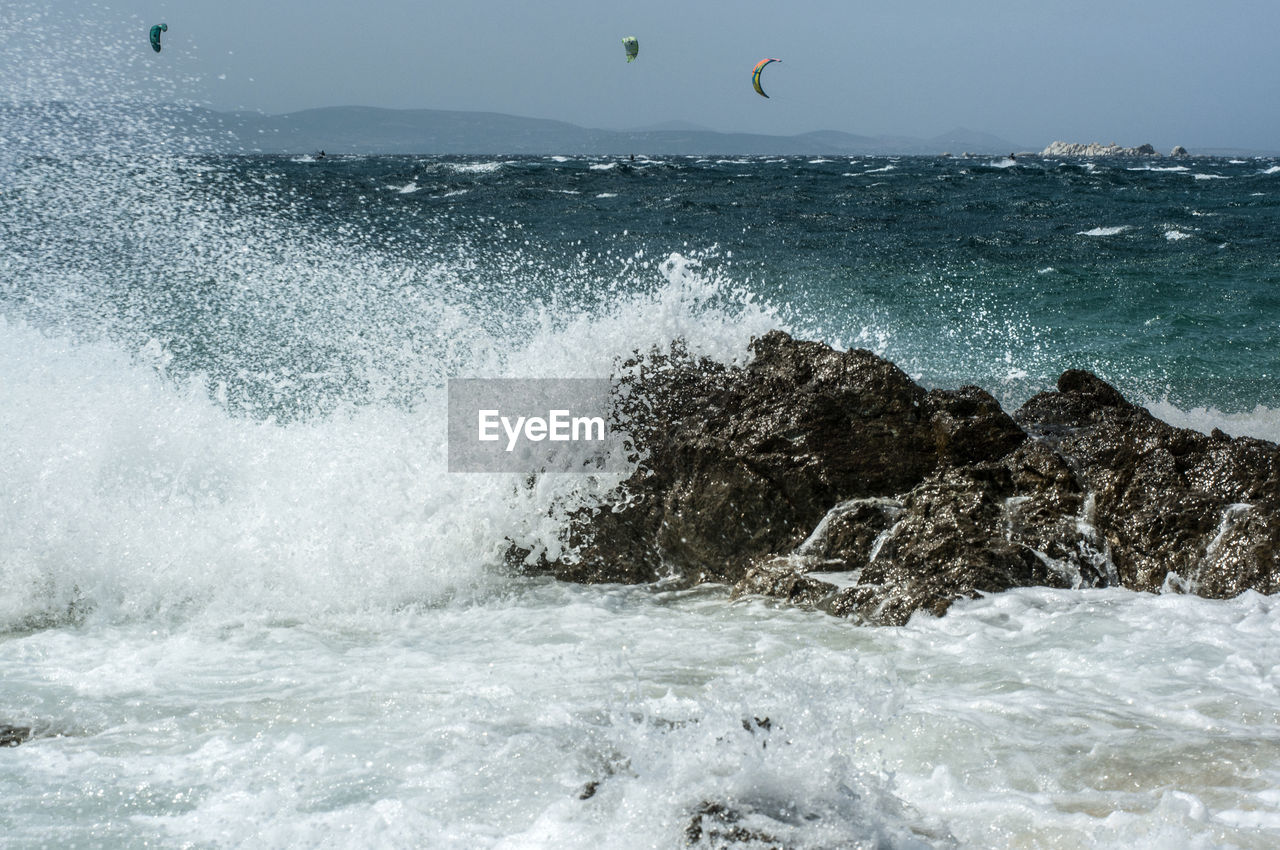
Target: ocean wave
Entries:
(134, 490)
(1261, 422)
(1105, 231)
(475, 167)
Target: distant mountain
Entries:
(683, 126)
(370, 130)
(360, 129)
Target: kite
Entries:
(155, 36)
(755, 78)
(632, 46)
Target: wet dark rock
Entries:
(831, 480)
(715, 825)
(1167, 499)
(12, 736)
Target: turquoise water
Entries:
(1161, 275)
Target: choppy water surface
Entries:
(243, 604)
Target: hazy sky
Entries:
(1171, 72)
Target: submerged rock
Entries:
(830, 479)
(12, 736)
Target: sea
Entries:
(243, 603)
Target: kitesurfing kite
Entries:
(632, 46)
(155, 36)
(755, 78)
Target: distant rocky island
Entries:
(1093, 149)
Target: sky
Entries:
(1183, 72)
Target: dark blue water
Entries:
(271, 276)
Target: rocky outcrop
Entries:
(830, 479)
(1179, 150)
(1206, 507)
(12, 736)
(1094, 149)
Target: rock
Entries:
(715, 825)
(744, 463)
(12, 736)
(1179, 150)
(831, 480)
(1166, 499)
(1094, 149)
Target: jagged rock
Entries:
(1179, 150)
(830, 479)
(785, 577)
(1094, 149)
(745, 462)
(1167, 499)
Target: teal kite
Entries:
(755, 78)
(155, 36)
(632, 46)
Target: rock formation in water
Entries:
(1093, 149)
(833, 480)
(1179, 150)
(12, 736)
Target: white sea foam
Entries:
(408, 188)
(556, 715)
(475, 167)
(1202, 176)
(1261, 422)
(603, 166)
(168, 501)
(1275, 169)
(607, 195)
(1175, 235)
(1105, 231)
(1170, 168)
